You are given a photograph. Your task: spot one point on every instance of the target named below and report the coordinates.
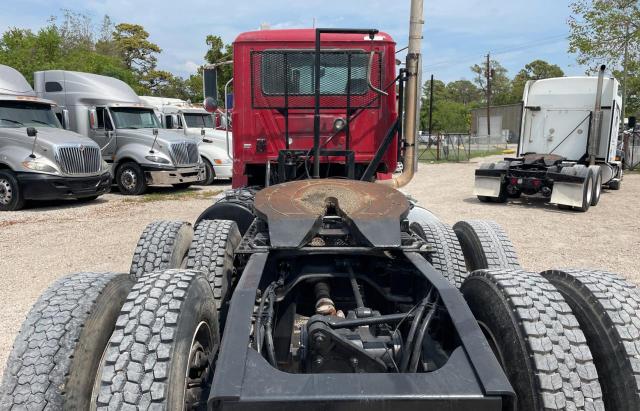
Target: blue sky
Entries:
(457, 33)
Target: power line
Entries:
(475, 57)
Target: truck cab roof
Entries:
(14, 87)
(167, 105)
(13, 83)
(306, 36)
(76, 88)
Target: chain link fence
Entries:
(460, 147)
(631, 148)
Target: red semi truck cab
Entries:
(275, 96)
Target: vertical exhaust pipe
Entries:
(412, 95)
(596, 124)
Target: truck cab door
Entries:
(103, 132)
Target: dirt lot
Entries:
(42, 243)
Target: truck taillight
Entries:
(536, 182)
(514, 181)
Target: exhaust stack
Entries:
(596, 124)
(412, 96)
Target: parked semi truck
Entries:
(129, 134)
(208, 128)
(328, 294)
(568, 147)
(39, 160)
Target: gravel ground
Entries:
(44, 242)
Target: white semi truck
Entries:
(568, 148)
(208, 128)
(39, 160)
(129, 134)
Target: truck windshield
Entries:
(15, 114)
(199, 120)
(133, 118)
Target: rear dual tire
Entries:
(608, 310)
(163, 349)
(446, 255)
(596, 174)
(212, 252)
(588, 188)
(485, 245)
(162, 245)
(56, 355)
(536, 339)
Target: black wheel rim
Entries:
(491, 339)
(200, 368)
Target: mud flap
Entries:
(487, 186)
(569, 194)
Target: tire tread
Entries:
(564, 370)
(43, 352)
(617, 306)
(212, 252)
(137, 356)
(494, 242)
(155, 247)
(447, 256)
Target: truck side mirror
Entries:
(175, 121)
(93, 119)
(65, 119)
(32, 132)
(632, 122)
(210, 104)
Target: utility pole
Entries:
(489, 96)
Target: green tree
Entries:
(500, 82)
(137, 52)
(439, 94)
(633, 88)
(28, 52)
(193, 86)
(536, 70)
(449, 115)
(463, 92)
(606, 31)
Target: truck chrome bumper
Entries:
(176, 176)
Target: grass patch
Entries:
(174, 196)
